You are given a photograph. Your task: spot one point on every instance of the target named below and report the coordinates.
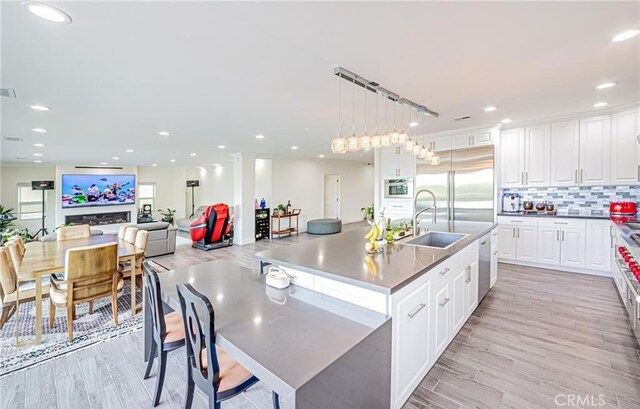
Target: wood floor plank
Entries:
(71, 390)
(12, 391)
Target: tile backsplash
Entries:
(578, 198)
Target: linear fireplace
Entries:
(98, 219)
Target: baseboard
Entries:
(558, 268)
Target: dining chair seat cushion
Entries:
(232, 373)
(26, 294)
(174, 327)
(59, 295)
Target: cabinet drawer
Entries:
(350, 293)
(563, 223)
(518, 221)
(398, 205)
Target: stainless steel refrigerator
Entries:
(463, 184)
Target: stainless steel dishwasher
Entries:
(484, 266)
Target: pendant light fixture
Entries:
(385, 139)
(353, 142)
(376, 140)
(394, 135)
(416, 147)
(403, 138)
(422, 154)
(339, 144)
(365, 139)
(408, 142)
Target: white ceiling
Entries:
(220, 73)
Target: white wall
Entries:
(11, 175)
(171, 190)
(264, 176)
(216, 185)
(301, 181)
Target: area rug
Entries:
(88, 329)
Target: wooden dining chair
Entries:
(81, 231)
(215, 372)
(90, 273)
(130, 234)
(15, 253)
(167, 329)
(142, 237)
(9, 287)
(121, 232)
(19, 241)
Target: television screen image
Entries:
(98, 190)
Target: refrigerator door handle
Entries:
(452, 195)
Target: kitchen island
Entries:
(428, 292)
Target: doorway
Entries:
(331, 197)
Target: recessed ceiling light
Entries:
(39, 130)
(490, 108)
(506, 120)
(413, 124)
(37, 161)
(155, 164)
(47, 12)
(115, 158)
(600, 105)
(172, 160)
(295, 148)
(260, 136)
(39, 145)
(321, 156)
(163, 133)
(221, 147)
(606, 85)
(39, 108)
(192, 154)
(625, 35)
(129, 150)
(37, 154)
(103, 163)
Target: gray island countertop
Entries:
(341, 257)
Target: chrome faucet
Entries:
(416, 228)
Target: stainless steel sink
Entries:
(633, 226)
(436, 239)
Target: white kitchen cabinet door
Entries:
(595, 151)
(441, 305)
(471, 288)
(537, 151)
(411, 346)
(549, 245)
(598, 246)
(512, 158)
(458, 300)
(482, 138)
(526, 248)
(461, 140)
(406, 164)
(625, 148)
(565, 153)
(572, 247)
(507, 242)
(441, 143)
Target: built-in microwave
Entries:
(398, 188)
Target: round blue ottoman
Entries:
(324, 226)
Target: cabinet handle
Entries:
(468, 280)
(638, 173)
(470, 140)
(581, 175)
(444, 302)
(526, 178)
(434, 145)
(522, 177)
(495, 253)
(518, 232)
(513, 232)
(562, 235)
(558, 235)
(445, 271)
(576, 176)
(416, 310)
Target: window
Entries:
(147, 194)
(29, 202)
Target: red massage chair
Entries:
(213, 229)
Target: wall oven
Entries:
(398, 188)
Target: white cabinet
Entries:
(481, 138)
(495, 241)
(598, 245)
(440, 143)
(572, 247)
(471, 288)
(442, 322)
(565, 153)
(518, 238)
(625, 148)
(537, 155)
(507, 242)
(549, 245)
(397, 162)
(512, 157)
(461, 140)
(595, 148)
(458, 306)
(527, 243)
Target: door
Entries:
(507, 242)
(572, 247)
(442, 320)
(458, 297)
(537, 148)
(331, 197)
(472, 184)
(527, 243)
(471, 288)
(625, 148)
(512, 158)
(549, 245)
(565, 153)
(436, 179)
(598, 247)
(595, 148)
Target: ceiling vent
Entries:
(13, 139)
(462, 118)
(8, 92)
(21, 158)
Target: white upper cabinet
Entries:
(625, 149)
(461, 140)
(512, 158)
(595, 148)
(397, 162)
(441, 143)
(537, 152)
(565, 153)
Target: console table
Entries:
(290, 229)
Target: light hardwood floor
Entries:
(538, 334)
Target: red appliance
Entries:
(213, 229)
(622, 208)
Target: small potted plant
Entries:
(281, 209)
(9, 233)
(6, 218)
(167, 215)
(367, 212)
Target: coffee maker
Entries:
(511, 202)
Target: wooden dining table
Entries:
(41, 258)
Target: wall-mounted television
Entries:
(98, 190)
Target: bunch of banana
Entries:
(372, 236)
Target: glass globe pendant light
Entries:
(385, 139)
(376, 140)
(423, 153)
(339, 144)
(394, 135)
(365, 139)
(353, 142)
(417, 148)
(403, 138)
(435, 161)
